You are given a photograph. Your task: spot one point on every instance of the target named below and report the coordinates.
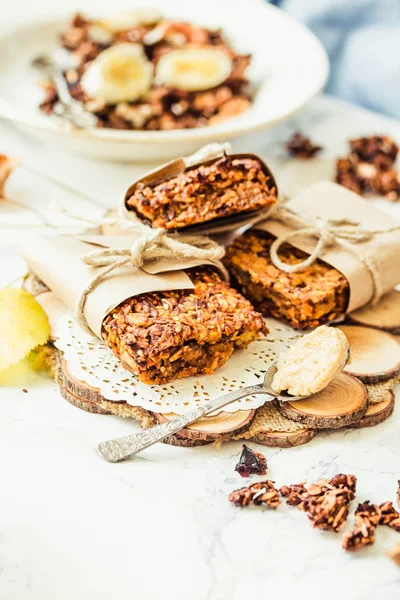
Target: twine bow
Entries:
(152, 244)
(344, 232)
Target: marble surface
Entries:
(160, 526)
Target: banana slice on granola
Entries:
(194, 69)
(144, 15)
(121, 73)
(312, 362)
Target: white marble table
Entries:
(160, 526)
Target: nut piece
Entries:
(326, 502)
(251, 463)
(263, 492)
(367, 519)
(301, 147)
(312, 362)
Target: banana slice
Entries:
(121, 73)
(193, 69)
(145, 15)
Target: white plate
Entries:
(289, 65)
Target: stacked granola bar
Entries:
(161, 336)
(304, 299)
(216, 189)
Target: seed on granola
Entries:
(251, 463)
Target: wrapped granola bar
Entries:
(174, 315)
(210, 191)
(325, 253)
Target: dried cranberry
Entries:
(251, 463)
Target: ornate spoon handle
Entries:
(123, 447)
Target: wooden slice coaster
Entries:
(384, 315)
(377, 413)
(285, 439)
(213, 428)
(342, 402)
(271, 428)
(374, 354)
(204, 431)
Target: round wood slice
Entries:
(213, 428)
(374, 354)
(204, 431)
(377, 413)
(283, 439)
(342, 402)
(82, 403)
(384, 315)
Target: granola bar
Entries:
(161, 336)
(228, 186)
(304, 300)
(162, 108)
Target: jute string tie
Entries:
(151, 244)
(344, 232)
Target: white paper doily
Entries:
(91, 361)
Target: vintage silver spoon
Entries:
(67, 107)
(123, 447)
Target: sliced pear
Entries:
(194, 69)
(121, 73)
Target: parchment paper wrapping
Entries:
(209, 153)
(57, 261)
(331, 201)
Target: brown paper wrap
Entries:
(206, 155)
(57, 262)
(329, 201)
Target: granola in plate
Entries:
(140, 71)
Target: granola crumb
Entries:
(263, 492)
(369, 167)
(325, 502)
(301, 146)
(25, 391)
(368, 517)
(251, 463)
(389, 516)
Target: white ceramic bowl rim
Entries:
(227, 129)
